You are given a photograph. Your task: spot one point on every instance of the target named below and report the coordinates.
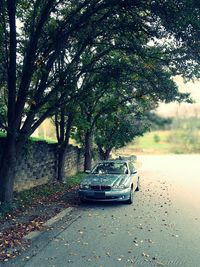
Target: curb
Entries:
(50, 222)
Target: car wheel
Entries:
(138, 185)
(130, 200)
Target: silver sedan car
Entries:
(112, 180)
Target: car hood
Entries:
(105, 179)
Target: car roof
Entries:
(114, 160)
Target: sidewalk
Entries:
(18, 230)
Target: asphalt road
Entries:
(161, 228)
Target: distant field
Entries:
(155, 142)
(162, 142)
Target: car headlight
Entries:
(84, 186)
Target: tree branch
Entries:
(29, 61)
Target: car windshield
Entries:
(111, 168)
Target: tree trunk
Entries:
(64, 141)
(8, 160)
(101, 153)
(104, 155)
(107, 154)
(61, 164)
(88, 151)
(8, 170)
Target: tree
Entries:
(127, 81)
(63, 122)
(29, 54)
(115, 130)
(46, 29)
(180, 32)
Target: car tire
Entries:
(130, 200)
(138, 185)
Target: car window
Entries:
(111, 168)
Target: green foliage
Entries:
(181, 18)
(2, 134)
(109, 37)
(117, 129)
(158, 122)
(122, 81)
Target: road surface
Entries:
(161, 228)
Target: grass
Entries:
(28, 197)
(163, 142)
(34, 139)
(155, 142)
(38, 139)
(75, 180)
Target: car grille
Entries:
(100, 187)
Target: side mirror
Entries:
(87, 171)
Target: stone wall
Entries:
(74, 161)
(37, 164)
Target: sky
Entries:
(183, 109)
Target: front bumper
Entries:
(112, 195)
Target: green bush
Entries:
(156, 138)
(2, 134)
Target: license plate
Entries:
(99, 194)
